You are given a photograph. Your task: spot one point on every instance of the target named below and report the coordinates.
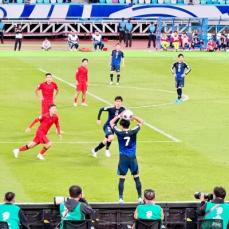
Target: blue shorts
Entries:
(179, 82)
(108, 130)
(115, 68)
(126, 163)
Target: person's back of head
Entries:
(75, 191)
(219, 192)
(149, 195)
(9, 197)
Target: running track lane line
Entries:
(169, 136)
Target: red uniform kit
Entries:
(47, 90)
(82, 78)
(46, 122)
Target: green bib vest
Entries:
(9, 213)
(220, 212)
(76, 214)
(149, 211)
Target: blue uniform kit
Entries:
(127, 150)
(116, 58)
(180, 70)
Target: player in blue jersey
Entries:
(117, 56)
(127, 140)
(180, 69)
(112, 111)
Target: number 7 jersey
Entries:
(127, 141)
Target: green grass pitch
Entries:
(174, 169)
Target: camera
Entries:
(59, 199)
(207, 196)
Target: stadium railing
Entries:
(148, 224)
(155, 2)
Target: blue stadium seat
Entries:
(135, 2)
(109, 1)
(46, 1)
(215, 2)
(59, 1)
(222, 2)
(122, 1)
(102, 1)
(20, 1)
(40, 1)
(180, 1)
(209, 2)
(167, 1)
(203, 2)
(154, 2)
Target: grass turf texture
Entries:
(174, 170)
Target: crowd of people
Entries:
(185, 41)
(76, 208)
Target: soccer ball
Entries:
(127, 115)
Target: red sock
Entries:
(75, 99)
(84, 99)
(23, 148)
(43, 150)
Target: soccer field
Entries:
(182, 148)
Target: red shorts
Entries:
(81, 87)
(40, 138)
(45, 106)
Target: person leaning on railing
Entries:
(11, 213)
(75, 207)
(216, 208)
(149, 210)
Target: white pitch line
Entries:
(169, 136)
(81, 142)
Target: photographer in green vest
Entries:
(149, 210)
(216, 208)
(11, 213)
(75, 207)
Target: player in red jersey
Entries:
(46, 122)
(49, 90)
(81, 82)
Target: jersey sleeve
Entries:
(101, 111)
(39, 87)
(172, 68)
(117, 130)
(56, 87)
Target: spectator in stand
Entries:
(211, 45)
(176, 41)
(46, 45)
(73, 42)
(223, 42)
(18, 38)
(128, 33)
(121, 29)
(11, 213)
(2, 25)
(97, 41)
(196, 42)
(185, 41)
(75, 207)
(149, 210)
(152, 34)
(164, 41)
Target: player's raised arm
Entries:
(113, 121)
(138, 120)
